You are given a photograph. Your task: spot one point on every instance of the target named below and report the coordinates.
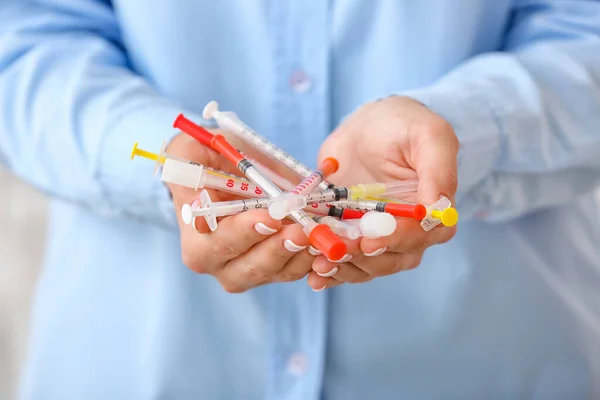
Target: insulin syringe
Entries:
(288, 202)
(195, 176)
(231, 122)
(440, 212)
(320, 236)
(212, 210)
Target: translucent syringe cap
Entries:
(281, 206)
(331, 245)
(440, 212)
(375, 224)
(342, 228)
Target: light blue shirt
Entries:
(508, 309)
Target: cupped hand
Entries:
(396, 138)
(246, 250)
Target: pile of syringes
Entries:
(326, 212)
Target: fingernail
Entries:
(195, 203)
(194, 224)
(263, 229)
(377, 252)
(313, 251)
(291, 246)
(333, 271)
(319, 290)
(346, 258)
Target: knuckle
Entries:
(414, 262)
(193, 262)
(253, 273)
(358, 279)
(223, 250)
(442, 235)
(447, 235)
(451, 178)
(439, 126)
(290, 276)
(232, 287)
(385, 270)
(401, 263)
(425, 243)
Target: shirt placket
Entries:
(300, 121)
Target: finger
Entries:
(296, 267)
(408, 237)
(262, 262)
(235, 235)
(343, 272)
(319, 283)
(388, 263)
(435, 160)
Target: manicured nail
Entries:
(194, 224)
(344, 259)
(263, 229)
(313, 251)
(319, 290)
(291, 246)
(195, 203)
(333, 271)
(377, 252)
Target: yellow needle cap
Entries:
(448, 217)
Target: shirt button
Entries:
(300, 82)
(298, 364)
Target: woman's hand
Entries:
(392, 139)
(248, 249)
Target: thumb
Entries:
(436, 163)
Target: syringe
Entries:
(231, 122)
(194, 175)
(211, 210)
(296, 199)
(339, 227)
(440, 212)
(320, 236)
(283, 205)
(415, 211)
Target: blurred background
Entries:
(22, 234)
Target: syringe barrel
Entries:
(395, 188)
(233, 185)
(233, 124)
(308, 184)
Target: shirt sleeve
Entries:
(528, 117)
(71, 109)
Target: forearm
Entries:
(72, 109)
